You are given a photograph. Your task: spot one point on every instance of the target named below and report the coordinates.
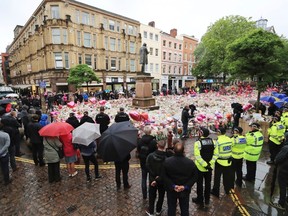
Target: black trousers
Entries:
(251, 170)
(183, 197)
(274, 149)
(124, 167)
(37, 152)
(11, 151)
(237, 168)
(283, 183)
(54, 172)
(4, 162)
(206, 176)
(153, 195)
(94, 161)
(228, 181)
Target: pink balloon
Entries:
(71, 104)
(102, 102)
(92, 100)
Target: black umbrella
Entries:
(118, 141)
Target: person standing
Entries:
(143, 57)
(178, 182)
(154, 164)
(123, 166)
(86, 118)
(102, 119)
(252, 151)
(72, 120)
(36, 140)
(206, 153)
(51, 147)
(276, 137)
(239, 144)
(146, 145)
(4, 156)
(185, 119)
(121, 116)
(284, 120)
(223, 163)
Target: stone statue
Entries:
(143, 57)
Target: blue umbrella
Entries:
(268, 99)
(279, 104)
(285, 99)
(280, 96)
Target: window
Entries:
(112, 44)
(156, 37)
(56, 36)
(156, 68)
(94, 40)
(106, 43)
(78, 38)
(164, 69)
(175, 57)
(175, 45)
(65, 36)
(151, 51)
(151, 36)
(58, 60)
(185, 56)
(132, 65)
(190, 57)
(180, 69)
(118, 26)
(79, 58)
(88, 59)
(132, 47)
(145, 34)
(95, 62)
(77, 16)
(119, 45)
(180, 46)
(111, 25)
(175, 69)
(191, 46)
(85, 18)
(156, 52)
(169, 58)
(105, 23)
(151, 67)
(87, 39)
(164, 55)
(66, 57)
(185, 44)
(113, 64)
(93, 20)
(170, 44)
(180, 57)
(55, 12)
(164, 42)
(130, 30)
(169, 69)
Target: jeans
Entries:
(183, 197)
(153, 195)
(94, 161)
(4, 161)
(144, 173)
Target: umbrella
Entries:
(268, 99)
(56, 129)
(118, 141)
(285, 99)
(12, 95)
(86, 133)
(280, 104)
(280, 96)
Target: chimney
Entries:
(173, 32)
(152, 24)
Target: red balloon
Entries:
(102, 102)
(135, 115)
(144, 116)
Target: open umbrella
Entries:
(118, 141)
(285, 99)
(280, 104)
(56, 129)
(280, 96)
(268, 99)
(86, 133)
(12, 95)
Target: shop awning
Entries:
(21, 86)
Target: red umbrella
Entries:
(56, 129)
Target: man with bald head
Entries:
(178, 182)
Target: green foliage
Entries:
(80, 74)
(212, 50)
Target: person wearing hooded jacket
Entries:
(86, 118)
(154, 164)
(44, 120)
(72, 120)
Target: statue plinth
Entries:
(144, 99)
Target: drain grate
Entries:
(250, 210)
(71, 209)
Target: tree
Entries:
(80, 74)
(257, 55)
(211, 52)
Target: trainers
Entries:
(74, 174)
(159, 213)
(277, 205)
(149, 214)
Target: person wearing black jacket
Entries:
(72, 120)
(36, 140)
(86, 118)
(146, 145)
(185, 119)
(178, 182)
(154, 164)
(121, 116)
(102, 119)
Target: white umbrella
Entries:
(86, 133)
(12, 95)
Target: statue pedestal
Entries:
(143, 88)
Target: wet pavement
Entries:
(31, 194)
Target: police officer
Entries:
(239, 143)
(223, 163)
(276, 137)
(252, 151)
(284, 120)
(102, 119)
(121, 116)
(206, 153)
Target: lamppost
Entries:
(85, 74)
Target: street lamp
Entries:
(85, 74)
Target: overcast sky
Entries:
(188, 16)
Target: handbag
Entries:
(59, 152)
